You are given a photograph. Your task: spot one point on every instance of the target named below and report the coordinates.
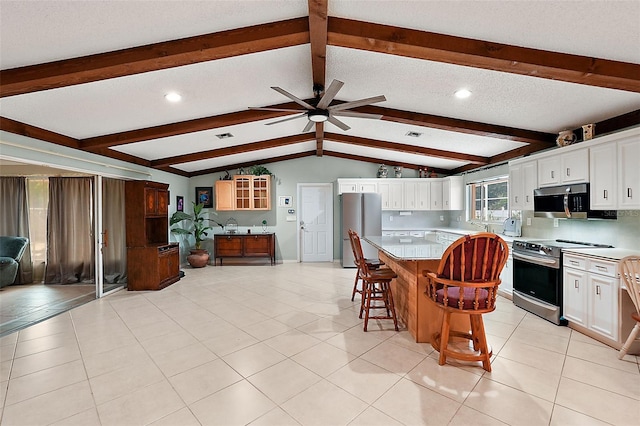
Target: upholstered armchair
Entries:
(11, 251)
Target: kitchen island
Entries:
(408, 257)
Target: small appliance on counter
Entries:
(512, 227)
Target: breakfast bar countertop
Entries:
(409, 248)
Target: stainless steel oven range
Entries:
(537, 276)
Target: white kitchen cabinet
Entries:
(574, 287)
(423, 193)
(435, 186)
(392, 193)
(603, 178)
(629, 174)
(566, 168)
(410, 200)
(591, 290)
(357, 185)
(506, 276)
(523, 180)
(453, 193)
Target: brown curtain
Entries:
(14, 220)
(114, 253)
(70, 247)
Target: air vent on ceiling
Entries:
(224, 136)
(413, 134)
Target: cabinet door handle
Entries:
(629, 193)
(568, 171)
(574, 262)
(606, 194)
(598, 290)
(527, 198)
(552, 174)
(576, 284)
(601, 268)
(516, 198)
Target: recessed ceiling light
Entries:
(173, 97)
(463, 93)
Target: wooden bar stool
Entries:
(376, 288)
(630, 275)
(467, 282)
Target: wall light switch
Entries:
(441, 218)
(555, 223)
(528, 221)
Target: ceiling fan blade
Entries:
(308, 126)
(287, 119)
(338, 123)
(293, 98)
(330, 93)
(356, 114)
(276, 109)
(361, 102)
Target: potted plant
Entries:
(195, 225)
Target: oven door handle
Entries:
(534, 259)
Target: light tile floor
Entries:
(283, 345)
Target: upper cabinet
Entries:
(435, 200)
(357, 185)
(392, 193)
(453, 193)
(629, 174)
(569, 167)
(523, 179)
(244, 192)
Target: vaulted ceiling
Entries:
(93, 75)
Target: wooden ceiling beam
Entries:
(253, 163)
(318, 38)
(540, 140)
(484, 54)
(231, 150)
(409, 149)
(154, 57)
(382, 161)
(189, 126)
(19, 128)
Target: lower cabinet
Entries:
(153, 267)
(244, 245)
(593, 298)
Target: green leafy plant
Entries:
(194, 224)
(259, 171)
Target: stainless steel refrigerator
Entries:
(363, 214)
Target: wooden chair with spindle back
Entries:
(466, 282)
(630, 276)
(376, 286)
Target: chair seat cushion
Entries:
(383, 274)
(469, 293)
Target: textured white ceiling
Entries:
(33, 32)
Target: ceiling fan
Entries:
(320, 110)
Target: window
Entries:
(489, 200)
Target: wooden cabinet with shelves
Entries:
(244, 245)
(244, 192)
(152, 263)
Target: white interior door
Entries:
(315, 222)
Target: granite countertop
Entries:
(603, 253)
(409, 248)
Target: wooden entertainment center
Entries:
(152, 263)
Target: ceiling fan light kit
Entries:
(321, 111)
(318, 115)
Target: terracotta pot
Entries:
(198, 258)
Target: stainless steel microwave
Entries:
(567, 202)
